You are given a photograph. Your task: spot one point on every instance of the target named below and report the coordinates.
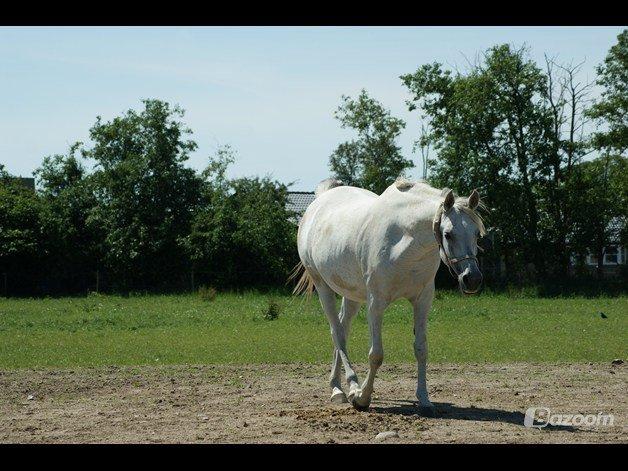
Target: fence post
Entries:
(192, 279)
(97, 280)
(6, 291)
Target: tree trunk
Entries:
(600, 262)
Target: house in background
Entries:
(298, 201)
(615, 254)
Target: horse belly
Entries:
(347, 287)
(342, 273)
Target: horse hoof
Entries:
(338, 397)
(353, 393)
(427, 411)
(359, 407)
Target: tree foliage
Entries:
(72, 239)
(373, 160)
(146, 196)
(242, 235)
(599, 191)
(141, 219)
(612, 108)
(21, 235)
(510, 129)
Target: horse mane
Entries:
(403, 184)
(473, 214)
(327, 184)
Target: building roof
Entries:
(298, 201)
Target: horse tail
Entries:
(327, 184)
(305, 283)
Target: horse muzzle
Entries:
(470, 281)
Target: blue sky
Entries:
(268, 92)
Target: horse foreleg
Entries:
(375, 315)
(421, 306)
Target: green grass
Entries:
(183, 329)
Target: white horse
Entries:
(376, 249)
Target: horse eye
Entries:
(448, 235)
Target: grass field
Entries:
(185, 329)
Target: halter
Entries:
(439, 239)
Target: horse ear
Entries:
(449, 200)
(474, 199)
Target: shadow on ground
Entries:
(447, 410)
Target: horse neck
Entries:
(416, 214)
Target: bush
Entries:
(272, 311)
(207, 293)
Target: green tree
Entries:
(22, 246)
(58, 172)
(565, 99)
(373, 160)
(611, 109)
(74, 242)
(242, 235)
(600, 192)
(501, 128)
(146, 196)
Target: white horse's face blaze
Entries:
(460, 239)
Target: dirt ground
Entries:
(290, 404)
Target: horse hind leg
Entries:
(328, 302)
(347, 311)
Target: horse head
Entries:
(457, 228)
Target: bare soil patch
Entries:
(476, 403)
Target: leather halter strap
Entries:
(460, 259)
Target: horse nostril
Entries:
(471, 280)
(475, 281)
